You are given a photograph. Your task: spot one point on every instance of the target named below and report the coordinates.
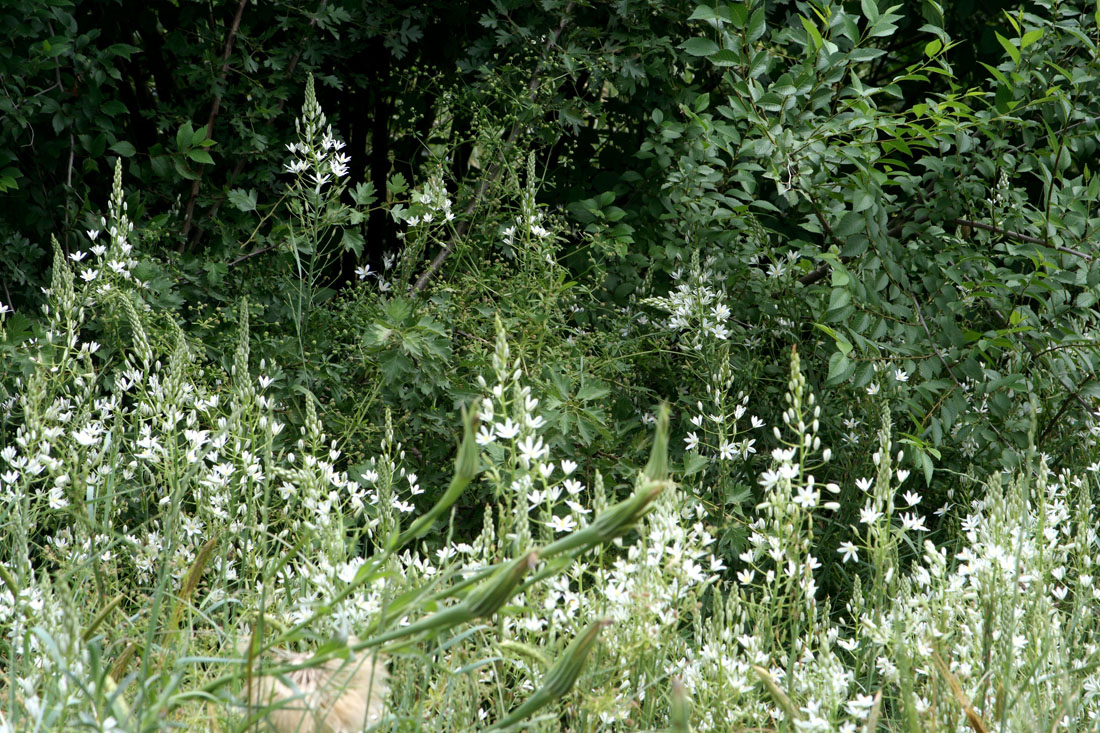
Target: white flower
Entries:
(319, 179)
(913, 522)
(911, 498)
(849, 551)
(485, 435)
(727, 451)
(900, 375)
(92, 234)
(532, 449)
(868, 515)
(562, 524)
(507, 430)
(363, 271)
(872, 388)
(807, 497)
(861, 706)
(568, 466)
(573, 486)
(692, 441)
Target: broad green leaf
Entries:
(1030, 37)
(183, 136)
(757, 25)
(199, 155)
(703, 12)
(838, 368)
(700, 46)
(123, 148)
(724, 57)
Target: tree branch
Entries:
(464, 225)
(230, 38)
(1020, 237)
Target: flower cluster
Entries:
(317, 157)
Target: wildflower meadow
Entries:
(550, 366)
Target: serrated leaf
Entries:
(183, 136)
(838, 368)
(694, 463)
(592, 391)
(199, 155)
(243, 200)
(757, 24)
(724, 57)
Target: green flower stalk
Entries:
(679, 716)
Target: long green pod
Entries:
(465, 470)
(612, 522)
(484, 600)
(559, 679)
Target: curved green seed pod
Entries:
(561, 677)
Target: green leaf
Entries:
(123, 148)
(1013, 52)
(870, 10)
(1030, 37)
(243, 200)
(933, 47)
(112, 107)
(592, 391)
(838, 368)
(363, 194)
(702, 12)
(739, 14)
(724, 57)
(757, 24)
(814, 34)
(700, 46)
(200, 155)
(183, 136)
(183, 170)
(694, 463)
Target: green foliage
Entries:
(852, 246)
